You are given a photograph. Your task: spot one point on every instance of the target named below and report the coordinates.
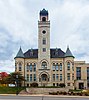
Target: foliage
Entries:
(3, 76)
(15, 78)
(10, 90)
(12, 79)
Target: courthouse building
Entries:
(51, 66)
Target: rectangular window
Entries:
(56, 67)
(34, 77)
(53, 77)
(78, 73)
(44, 41)
(44, 49)
(34, 67)
(27, 68)
(73, 76)
(60, 66)
(72, 66)
(68, 66)
(27, 77)
(60, 77)
(87, 73)
(57, 77)
(68, 76)
(68, 84)
(53, 68)
(30, 77)
(30, 67)
(20, 67)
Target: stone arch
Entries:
(44, 78)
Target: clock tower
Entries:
(44, 39)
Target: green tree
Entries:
(15, 78)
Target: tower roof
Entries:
(68, 53)
(43, 12)
(20, 54)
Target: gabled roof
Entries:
(68, 53)
(20, 54)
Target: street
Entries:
(41, 98)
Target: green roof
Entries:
(20, 54)
(68, 53)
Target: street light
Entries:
(17, 84)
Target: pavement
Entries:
(40, 95)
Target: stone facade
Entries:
(50, 67)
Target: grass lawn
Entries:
(10, 90)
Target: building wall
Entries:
(73, 83)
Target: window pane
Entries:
(68, 66)
(20, 67)
(27, 77)
(68, 76)
(57, 77)
(56, 66)
(30, 77)
(53, 77)
(78, 73)
(44, 41)
(60, 66)
(60, 77)
(44, 49)
(34, 77)
(34, 67)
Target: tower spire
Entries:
(20, 54)
(68, 53)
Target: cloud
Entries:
(19, 27)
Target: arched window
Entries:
(44, 65)
(20, 67)
(44, 19)
(68, 66)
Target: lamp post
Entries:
(17, 84)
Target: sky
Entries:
(69, 25)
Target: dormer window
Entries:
(31, 52)
(56, 52)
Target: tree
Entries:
(12, 79)
(3, 76)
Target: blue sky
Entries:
(19, 27)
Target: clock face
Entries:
(43, 31)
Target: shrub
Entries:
(62, 85)
(34, 85)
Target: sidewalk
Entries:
(38, 95)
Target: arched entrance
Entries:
(44, 78)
